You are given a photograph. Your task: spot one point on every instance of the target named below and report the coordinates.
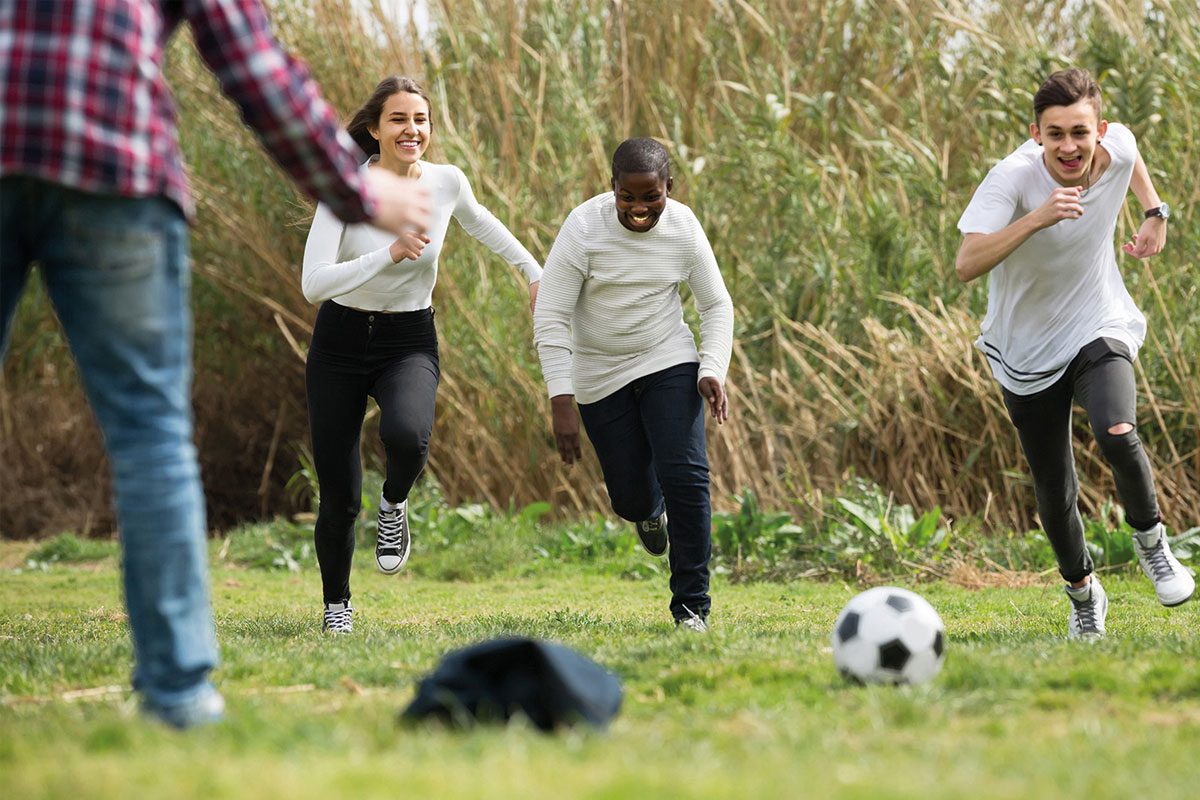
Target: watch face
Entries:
(1164, 211)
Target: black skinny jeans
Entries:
(1101, 379)
(353, 355)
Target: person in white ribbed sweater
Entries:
(610, 333)
(375, 336)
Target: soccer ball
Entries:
(888, 635)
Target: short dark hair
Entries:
(641, 155)
(367, 117)
(1066, 88)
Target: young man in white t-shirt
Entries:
(1060, 326)
(610, 332)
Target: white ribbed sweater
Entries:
(352, 263)
(608, 307)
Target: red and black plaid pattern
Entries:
(83, 101)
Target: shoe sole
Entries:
(399, 567)
(651, 552)
(1177, 603)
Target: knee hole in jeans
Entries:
(1121, 428)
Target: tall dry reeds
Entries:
(828, 147)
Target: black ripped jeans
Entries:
(355, 355)
(1101, 379)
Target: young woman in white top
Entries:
(1061, 328)
(610, 332)
(375, 336)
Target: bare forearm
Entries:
(1142, 186)
(981, 252)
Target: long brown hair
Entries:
(367, 117)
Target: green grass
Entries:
(754, 710)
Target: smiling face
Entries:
(1069, 136)
(403, 131)
(641, 199)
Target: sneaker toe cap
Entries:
(389, 563)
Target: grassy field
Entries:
(753, 710)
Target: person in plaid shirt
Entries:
(92, 188)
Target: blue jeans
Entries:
(116, 270)
(649, 437)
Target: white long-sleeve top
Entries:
(608, 307)
(352, 264)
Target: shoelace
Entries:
(1159, 563)
(391, 527)
(338, 620)
(694, 620)
(1085, 612)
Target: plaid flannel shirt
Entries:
(83, 101)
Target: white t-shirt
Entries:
(1061, 288)
(609, 311)
(352, 265)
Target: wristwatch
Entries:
(1162, 212)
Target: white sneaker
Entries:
(392, 542)
(1089, 607)
(1172, 582)
(338, 617)
(693, 622)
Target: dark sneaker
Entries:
(392, 541)
(1089, 607)
(652, 533)
(204, 709)
(1173, 584)
(693, 622)
(338, 617)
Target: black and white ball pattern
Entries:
(888, 635)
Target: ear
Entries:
(374, 133)
(1102, 129)
(670, 184)
(1034, 133)
(613, 183)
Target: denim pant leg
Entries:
(649, 438)
(16, 250)
(117, 272)
(673, 418)
(614, 426)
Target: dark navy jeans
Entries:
(649, 437)
(116, 269)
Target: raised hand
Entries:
(1063, 203)
(409, 245)
(1149, 240)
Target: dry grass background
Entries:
(828, 147)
